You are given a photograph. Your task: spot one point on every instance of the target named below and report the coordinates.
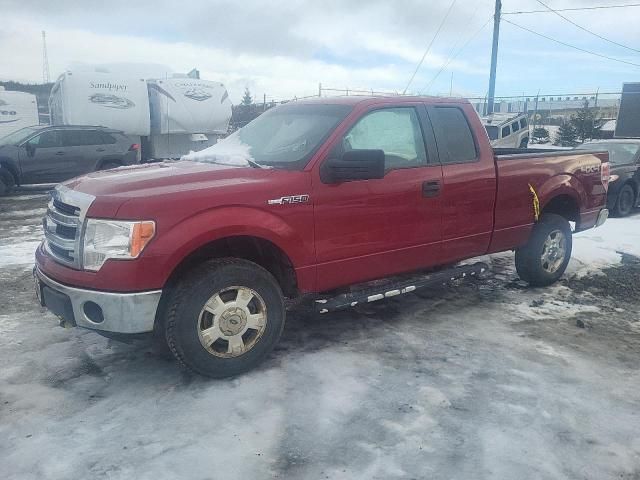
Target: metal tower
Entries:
(45, 59)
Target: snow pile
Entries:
(18, 253)
(603, 247)
(230, 151)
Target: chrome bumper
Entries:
(602, 217)
(106, 311)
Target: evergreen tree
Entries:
(540, 135)
(567, 135)
(587, 122)
(247, 99)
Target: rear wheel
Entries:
(524, 143)
(543, 260)
(225, 317)
(625, 201)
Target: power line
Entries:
(452, 58)
(429, 47)
(602, 7)
(571, 46)
(585, 29)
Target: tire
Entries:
(236, 338)
(524, 143)
(543, 260)
(109, 165)
(625, 201)
(7, 182)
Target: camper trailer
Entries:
(168, 117)
(186, 114)
(101, 98)
(17, 110)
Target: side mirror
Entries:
(354, 165)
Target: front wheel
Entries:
(543, 260)
(225, 317)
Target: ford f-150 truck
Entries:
(312, 200)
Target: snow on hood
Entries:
(230, 151)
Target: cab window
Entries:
(506, 131)
(515, 126)
(453, 136)
(523, 122)
(395, 131)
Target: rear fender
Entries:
(562, 184)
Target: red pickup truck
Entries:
(312, 200)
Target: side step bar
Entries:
(391, 289)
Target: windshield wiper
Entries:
(255, 164)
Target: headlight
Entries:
(105, 239)
(613, 178)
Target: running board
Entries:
(392, 289)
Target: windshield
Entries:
(18, 136)
(619, 153)
(283, 137)
(492, 131)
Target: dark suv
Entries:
(52, 154)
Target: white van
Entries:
(507, 130)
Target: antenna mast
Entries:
(45, 59)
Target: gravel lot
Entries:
(482, 380)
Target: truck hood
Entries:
(162, 178)
(162, 182)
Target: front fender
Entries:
(293, 235)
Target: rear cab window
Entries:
(523, 122)
(454, 137)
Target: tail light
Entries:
(134, 147)
(605, 174)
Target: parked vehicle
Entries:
(47, 154)
(507, 130)
(310, 201)
(624, 183)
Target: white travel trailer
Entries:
(17, 110)
(168, 117)
(103, 99)
(186, 114)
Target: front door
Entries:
(42, 158)
(369, 229)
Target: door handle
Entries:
(59, 153)
(431, 188)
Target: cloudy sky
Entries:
(285, 48)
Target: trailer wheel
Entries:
(543, 260)
(225, 317)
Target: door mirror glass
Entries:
(354, 165)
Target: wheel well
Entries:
(257, 250)
(12, 170)
(565, 206)
(108, 160)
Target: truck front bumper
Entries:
(97, 310)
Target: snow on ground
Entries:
(484, 380)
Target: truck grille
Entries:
(63, 225)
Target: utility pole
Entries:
(45, 59)
(494, 56)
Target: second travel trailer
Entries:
(17, 110)
(168, 117)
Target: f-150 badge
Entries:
(290, 199)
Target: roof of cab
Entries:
(373, 99)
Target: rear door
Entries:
(373, 228)
(84, 150)
(469, 182)
(42, 158)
